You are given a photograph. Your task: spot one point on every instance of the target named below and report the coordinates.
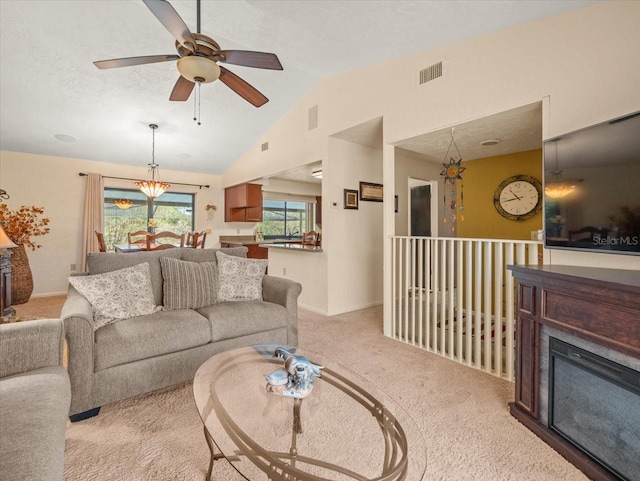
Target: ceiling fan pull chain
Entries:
(199, 83)
(196, 103)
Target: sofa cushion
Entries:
(209, 255)
(188, 285)
(234, 319)
(99, 262)
(143, 337)
(240, 279)
(118, 294)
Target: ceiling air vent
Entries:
(265, 146)
(432, 72)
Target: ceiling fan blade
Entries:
(131, 61)
(181, 90)
(252, 59)
(242, 88)
(172, 22)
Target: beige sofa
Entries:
(153, 351)
(34, 401)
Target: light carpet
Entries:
(462, 413)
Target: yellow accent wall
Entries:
(481, 179)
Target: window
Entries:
(172, 211)
(285, 219)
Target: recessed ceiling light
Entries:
(488, 142)
(65, 138)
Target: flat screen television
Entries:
(592, 188)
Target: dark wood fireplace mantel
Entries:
(599, 305)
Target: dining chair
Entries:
(199, 239)
(189, 239)
(139, 233)
(153, 245)
(101, 243)
(310, 238)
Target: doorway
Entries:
(422, 211)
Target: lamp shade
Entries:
(5, 242)
(152, 188)
(199, 69)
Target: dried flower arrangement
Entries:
(23, 224)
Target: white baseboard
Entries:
(313, 309)
(49, 294)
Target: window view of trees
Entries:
(282, 219)
(171, 211)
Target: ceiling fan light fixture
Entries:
(198, 69)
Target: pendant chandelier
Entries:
(155, 187)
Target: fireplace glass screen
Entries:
(594, 403)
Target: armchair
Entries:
(35, 396)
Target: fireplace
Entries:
(578, 365)
(594, 403)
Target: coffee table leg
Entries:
(214, 456)
(297, 421)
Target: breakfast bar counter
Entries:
(292, 246)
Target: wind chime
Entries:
(451, 173)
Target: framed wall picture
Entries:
(350, 199)
(371, 192)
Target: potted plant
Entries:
(21, 226)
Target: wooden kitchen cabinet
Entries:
(243, 203)
(319, 210)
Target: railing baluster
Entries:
(477, 307)
(509, 311)
(455, 297)
(487, 319)
(497, 310)
(459, 307)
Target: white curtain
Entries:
(93, 216)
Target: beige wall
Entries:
(582, 64)
(54, 183)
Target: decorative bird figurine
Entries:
(300, 373)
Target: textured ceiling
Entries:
(49, 86)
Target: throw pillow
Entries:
(118, 294)
(239, 279)
(188, 285)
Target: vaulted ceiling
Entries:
(54, 101)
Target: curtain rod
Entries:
(82, 174)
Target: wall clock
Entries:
(518, 197)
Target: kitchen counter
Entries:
(292, 246)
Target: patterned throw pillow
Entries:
(188, 285)
(118, 294)
(240, 279)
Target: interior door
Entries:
(420, 210)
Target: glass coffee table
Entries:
(344, 429)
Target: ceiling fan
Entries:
(198, 57)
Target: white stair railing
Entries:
(456, 298)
